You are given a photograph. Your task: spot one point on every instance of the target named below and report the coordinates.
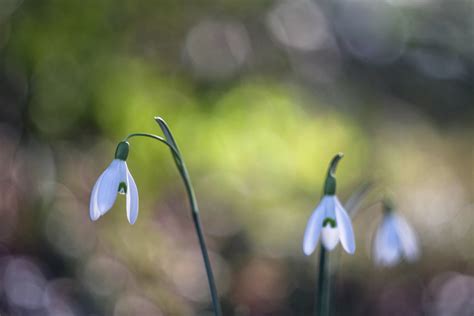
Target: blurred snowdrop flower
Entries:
(329, 219)
(394, 239)
(115, 179)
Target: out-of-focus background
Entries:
(260, 96)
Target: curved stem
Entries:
(156, 137)
(174, 150)
(169, 141)
(200, 234)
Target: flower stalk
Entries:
(323, 295)
(169, 141)
(194, 211)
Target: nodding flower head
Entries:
(394, 239)
(329, 219)
(114, 180)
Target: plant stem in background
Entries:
(323, 295)
(178, 159)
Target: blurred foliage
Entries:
(260, 96)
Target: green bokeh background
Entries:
(258, 115)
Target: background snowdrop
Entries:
(394, 239)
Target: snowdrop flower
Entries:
(394, 239)
(329, 219)
(115, 179)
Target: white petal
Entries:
(94, 211)
(407, 238)
(313, 229)
(330, 237)
(344, 225)
(108, 187)
(329, 202)
(386, 248)
(132, 199)
(123, 171)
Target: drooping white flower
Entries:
(394, 239)
(330, 220)
(115, 179)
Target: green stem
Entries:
(199, 232)
(323, 295)
(156, 137)
(169, 141)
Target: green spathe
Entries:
(122, 151)
(330, 183)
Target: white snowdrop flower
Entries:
(329, 219)
(394, 239)
(115, 179)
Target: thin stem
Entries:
(323, 295)
(353, 204)
(174, 150)
(202, 243)
(169, 141)
(156, 137)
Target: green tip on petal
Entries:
(122, 151)
(329, 221)
(330, 183)
(122, 188)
